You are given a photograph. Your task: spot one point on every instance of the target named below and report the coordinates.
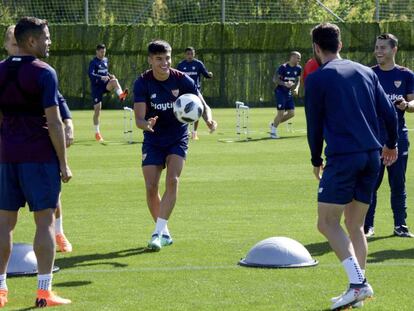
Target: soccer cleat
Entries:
(123, 95)
(63, 243)
(3, 297)
(166, 240)
(274, 136)
(403, 232)
(369, 232)
(356, 305)
(352, 296)
(99, 137)
(47, 298)
(194, 136)
(155, 243)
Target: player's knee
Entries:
(152, 188)
(172, 181)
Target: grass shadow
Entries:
(319, 249)
(100, 259)
(389, 254)
(72, 284)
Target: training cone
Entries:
(23, 261)
(278, 252)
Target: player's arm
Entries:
(410, 103)
(208, 115)
(207, 74)
(314, 120)
(296, 86)
(140, 109)
(67, 120)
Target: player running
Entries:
(398, 83)
(287, 81)
(32, 152)
(194, 68)
(102, 82)
(165, 138)
(343, 100)
(62, 242)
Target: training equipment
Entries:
(278, 252)
(128, 125)
(63, 243)
(155, 243)
(47, 298)
(23, 261)
(352, 296)
(188, 108)
(242, 120)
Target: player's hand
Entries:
(69, 136)
(105, 78)
(318, 171)
(212, 125)
(150, 124)
(401, 104)
(389, 156)
(295, 92)
(289, 84)
(111, 76)
(65, 173)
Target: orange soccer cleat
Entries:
(99, 137)
(63, 243)
(3, 297)
(123, 95)
(47, 298)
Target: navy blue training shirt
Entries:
(343, 100)
(98, 68)
(159, 97)
(397, 83)
(194, 69)
(288, 73)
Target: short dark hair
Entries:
(393, 40)
(28, 26)
(189, 48)
(158, 47)
(100, 46)
(294, 53)
(327, 36)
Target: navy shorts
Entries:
(349, 176)
(157, 155)
(98, 90)
(284, 101)
(38, 184)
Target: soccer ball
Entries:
(188, 108)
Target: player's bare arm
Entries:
(140, 111)
(69, 132)
(207, 115)
(407, 105)
(57, 136)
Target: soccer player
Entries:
(11, 47)
(102, 82)
(398, 83)
(32, 152)
(343, 100)
(287, 80)
(194, 68)
(165, 138)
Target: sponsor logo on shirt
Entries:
(394, 97)
(162, 106)
(175, 92)
(397, 84)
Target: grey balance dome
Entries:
(23, 261)
(278, 252)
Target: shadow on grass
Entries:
(90, 143)
(381, 256)
(97, 259)
(72, 284)
(319, 249)
(248, 140)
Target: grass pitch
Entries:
(232, 195)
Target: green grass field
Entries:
(232, 195)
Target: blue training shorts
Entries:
(284, 100)
(38, 184)
(157, 155)
(349, 176)
(98, 90)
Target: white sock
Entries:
(363, 272)
(166, 231)
(118, 92)
(96, 128)
(44, 281)
(3, 284)
(353, 270)
(59, 225)
(272, 129)
(160, 225)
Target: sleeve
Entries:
(63, 107)
(180, 66)
(91, 72)
(280, 71)
(387, 112)
(188, 86)
(49, 85)
(203, 70)
(140, 92)
(299, 70)
(314, 119)
(410, 82)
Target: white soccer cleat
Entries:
(352, 297)
(356, 305)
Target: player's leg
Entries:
(113, 85)
(194, 132)
(62, 242)
(369, 218)
(97, 108)
(289, 114)
(396, 178)
(152, 174)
